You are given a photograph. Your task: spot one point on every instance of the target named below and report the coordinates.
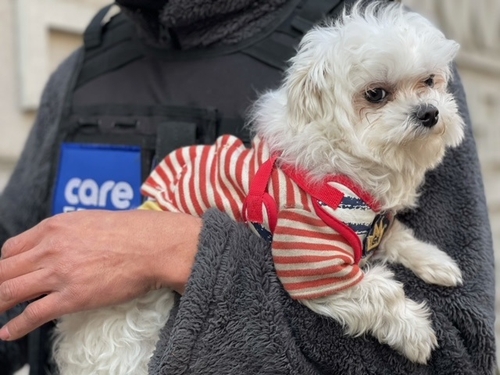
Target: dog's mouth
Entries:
(420, 132)
(416, 132)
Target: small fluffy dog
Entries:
(362, 115)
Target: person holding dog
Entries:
(234, 316)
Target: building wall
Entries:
(35, 35)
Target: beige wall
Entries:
(35, 36)
(14, 124)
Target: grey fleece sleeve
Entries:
(232, 319)
(235, 317)
(23, 203)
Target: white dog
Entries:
(365, 98)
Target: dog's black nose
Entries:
(427, 115)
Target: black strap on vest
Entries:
(110, 50)
(311, 12)
(93, 33)
(156, 129)
(280, 47)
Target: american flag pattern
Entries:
(312, 259)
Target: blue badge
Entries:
(98, 177)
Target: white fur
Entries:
(378, 306)
(312, 119)
(320, 120)
(425, 260)
(112, 340)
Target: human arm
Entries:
(89, 259)
(25, 202)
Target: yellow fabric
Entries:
(150, 205)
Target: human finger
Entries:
(24, 241)
(24, 288)
(19, 265)
(34, 315)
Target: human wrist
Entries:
(179, 246)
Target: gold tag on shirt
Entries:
(379, 227)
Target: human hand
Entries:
(90, 259)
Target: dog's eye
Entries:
(430, 81)
(375, 95)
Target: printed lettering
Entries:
(105, 189)
(88, 193)
(121, 195)
(69, 191)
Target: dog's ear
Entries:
(307, 81)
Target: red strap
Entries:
(331, 197)
(342, 229)
(325, 193)
(258, 196)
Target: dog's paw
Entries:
(438, 268)
(412, 335)
(419, 344)
(418, 349)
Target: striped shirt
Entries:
(317, 229)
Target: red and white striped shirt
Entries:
(317, 228)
